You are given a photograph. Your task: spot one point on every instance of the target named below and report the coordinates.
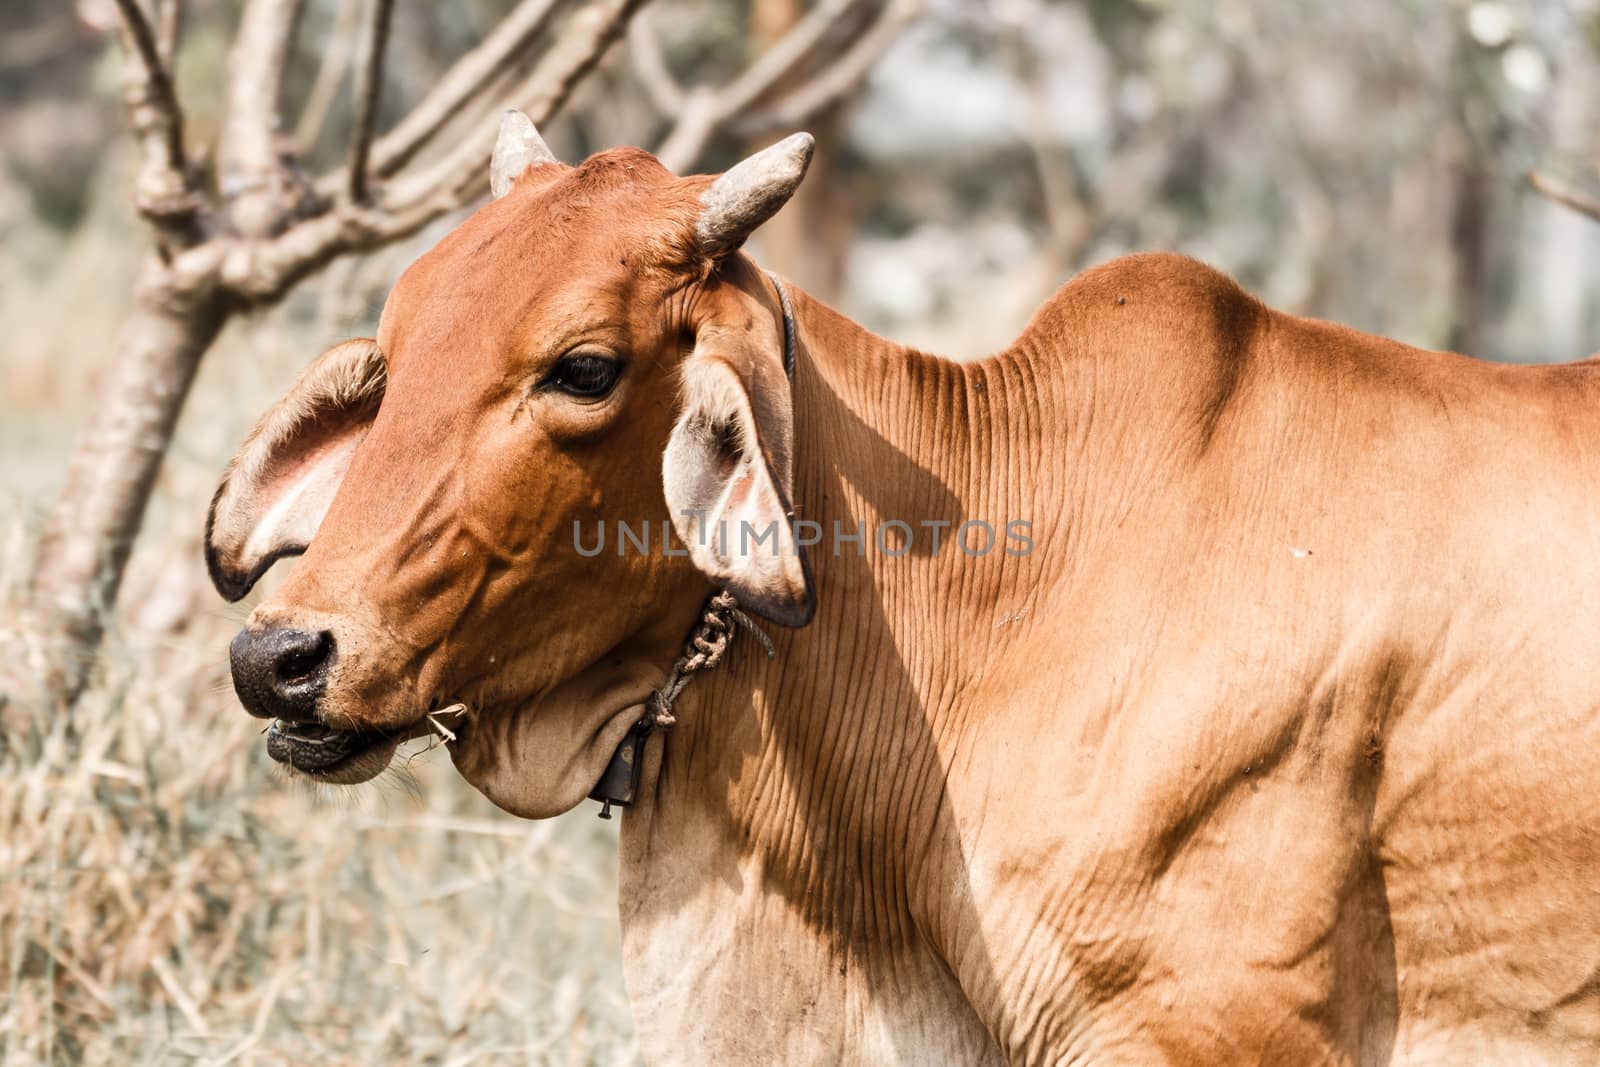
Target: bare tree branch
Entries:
(783, 57)
(469, 80)
(466, 81)
(165, 193)
(698, 119)
(368, 91)
(650, 66)
(142, 37)
(1577, 202)
(169, 27)
(255, 183)
(841, 77)
(263, 270)
(461, 175)
(331, 72)
(701, 111)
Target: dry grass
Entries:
(166, 895)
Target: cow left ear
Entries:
(727, 475)
(281, 483)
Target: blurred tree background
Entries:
(1364, 162)
(163, 896)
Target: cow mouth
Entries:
(328, 754)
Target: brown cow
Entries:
(1262, 732)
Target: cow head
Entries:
(588, 348)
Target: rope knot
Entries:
(707, 644)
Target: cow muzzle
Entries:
(282, 674)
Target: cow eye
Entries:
(584, 374)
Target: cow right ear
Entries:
(727, 476)
(279, 486)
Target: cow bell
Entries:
(620, 782)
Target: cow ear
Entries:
(276, 491)
(727, 473)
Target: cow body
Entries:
(1275, 749)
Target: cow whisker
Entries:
(397, 778)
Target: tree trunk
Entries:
(92, 529)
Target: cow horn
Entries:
(518, 147)
(751, 193)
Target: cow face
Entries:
(587, 350)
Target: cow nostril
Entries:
(281, 673)
(302, 658)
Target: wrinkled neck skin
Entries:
(795, 866)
